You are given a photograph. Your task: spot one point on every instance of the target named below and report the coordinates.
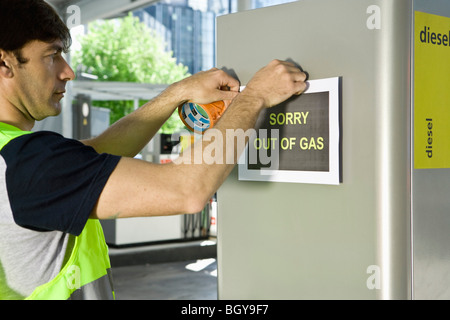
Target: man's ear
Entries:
(5, 64)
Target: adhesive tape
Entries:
(200, 117)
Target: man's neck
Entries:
(13, 116)
(17, 125)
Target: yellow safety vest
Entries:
(87, 274)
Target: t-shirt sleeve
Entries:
(54, 183)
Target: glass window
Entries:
(188, 27)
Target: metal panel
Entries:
(300, 241)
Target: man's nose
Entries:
(67, 73)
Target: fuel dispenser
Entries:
(382, 229)
(82, 117)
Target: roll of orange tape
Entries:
(200, 117)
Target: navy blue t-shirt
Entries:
(53, 183)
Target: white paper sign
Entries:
(298, 141)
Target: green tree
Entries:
(127, 50)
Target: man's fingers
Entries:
(301, 87)
(297, 73)
(225, 95)
(301, 76)
(228, 83)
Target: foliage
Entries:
(127, 50)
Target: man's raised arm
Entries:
(128, 136)
(137, 188)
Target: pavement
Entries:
(173, 271)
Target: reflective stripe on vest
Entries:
(100, 289)
(86, 275)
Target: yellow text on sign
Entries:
(288, 118)
(290, 143)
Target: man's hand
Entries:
(273, 84)
(276, 82)
(208, 86)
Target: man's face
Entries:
(40, 82)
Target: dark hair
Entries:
(22, 21)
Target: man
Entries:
(54, 190)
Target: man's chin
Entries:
(52, 112)
(57, 108)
